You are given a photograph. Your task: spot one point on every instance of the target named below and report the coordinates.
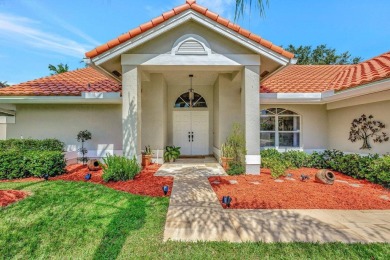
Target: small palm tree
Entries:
(60, 68)
(241, 4)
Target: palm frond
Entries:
(241, 4)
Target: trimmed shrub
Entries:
(277, 167)
(372, 167)
(119, 168)
(296, 159)
(32, 145)
(38, 163)
(236, 169)
(380, 171)
(270, 153)
(316, 160)
(12, 165)
(16, 164)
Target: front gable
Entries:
(190, 18)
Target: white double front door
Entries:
(191, 132)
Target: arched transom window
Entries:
(184, 101)
(279, 127)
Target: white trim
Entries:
(253, 159)
(286, 98)
(324, 97)
(191, 37)
(277, 131)
(182, 18)
(7, 120)
(73, 155)
(100, 95)
(58, 100)
(193, 60)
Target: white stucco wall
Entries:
(65, 121)
(314, 124)
(339, 123)
(164, 43)
(216, 114)
(229, 106)
(154, 112)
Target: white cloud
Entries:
(25, 31)
(49, 15)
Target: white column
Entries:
(131, 111)
(250, 102)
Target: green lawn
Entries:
(69, 220)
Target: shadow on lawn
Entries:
(129, 217)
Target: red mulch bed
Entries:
(8, 197)
(144, 183)
(295, 194)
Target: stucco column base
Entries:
(252, 165)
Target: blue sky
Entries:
(35, 33)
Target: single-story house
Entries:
(183, 79)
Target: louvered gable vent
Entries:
(191, 47)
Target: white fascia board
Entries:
(192, 60)
(100, 95)
(290, 98)
(183, 18)
(58, 100)
(359, 91)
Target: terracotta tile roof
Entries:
(70, 83)
(189, 4)
(301, 79)
(319, 78)
(372, 70)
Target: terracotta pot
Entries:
(93, 165)
(146, 159)
(225, 162)
(325, 177)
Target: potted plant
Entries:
(146, 156)
(227, 155)
(171, 153)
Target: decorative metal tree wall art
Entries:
(364, 128)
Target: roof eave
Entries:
(84, 99)
(325, 97)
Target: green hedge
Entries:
(16, 164)
(372, 167)
(32, 145)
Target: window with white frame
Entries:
(185, 101)
(279, 127)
